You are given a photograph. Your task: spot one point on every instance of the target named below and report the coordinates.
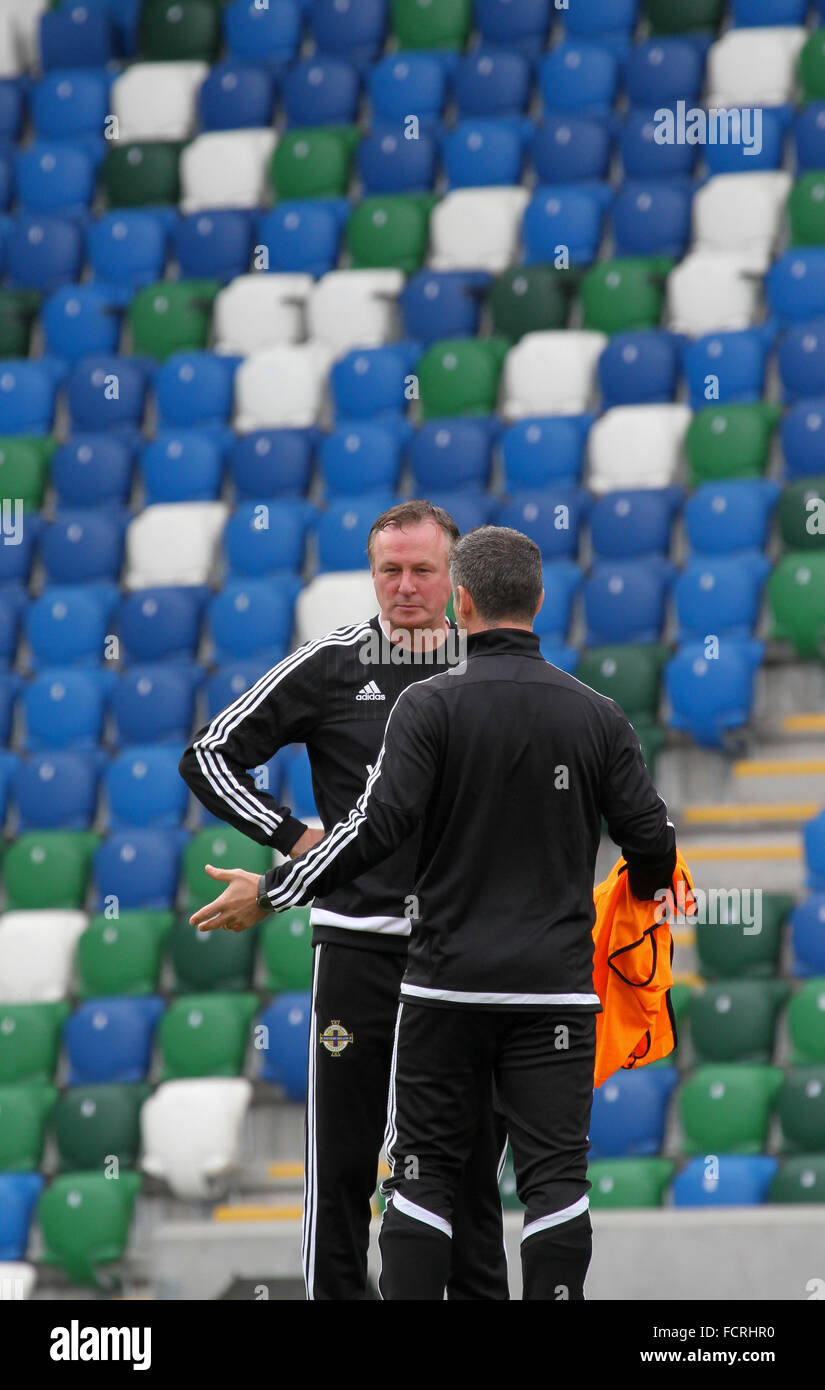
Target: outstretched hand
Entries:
(237, 907)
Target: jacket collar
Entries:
(495, 641)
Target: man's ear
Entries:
(540, 602)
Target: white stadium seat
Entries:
(36, 954)
(226, 169)
(26, 16)
(174, 543)
(355, 308)
(17, 1280)
(754, 67)
(477, 228)
(190, 1132)
(713, 292)
(334, 600)
(158, 101)
(260, 310)
(741, 212)
(281, 387)
(12, 57)
(550, 373)
(636, 446)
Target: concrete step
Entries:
(760, 815)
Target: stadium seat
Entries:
(530, 299)
(271, 463)
(107, 392)
(66, 624)
(85, 1220)
(804, 1021)
(797, 513)
(633, 522)
(567, 220)
(814, 839)
(9, 690)
(300, 369)
(24, 469)
(624, 294)
(356, 458)
(712, 697)
(27, 396)
(483, 150)
(93, 1124)
(646, 158)
(354, 29)
(415, 24)
(491, 83)
(30, 1042)
(56, 790)
(749, 944)
(253, 618)
(408, 83)
(76, 36)
(195, 388)
(354, 308)
(82, 545)
(171, 31)
(443, 304)
(389, 163)
(343, 528)
(81, 319)
(36, 952)
(754, 67)
(127, 248)
(801, 360)
(741, 213)
(142, 788)
(799, 1180)
(110, 1040)
(636, 446)
(286, 1021)
(752, 147)
(269, 36)
(659, 71)
(181, 466)
(727, 366)
(808, 936)
(11, 602)
(169, 318)
(173, 543)
(629, 674)
(160, 624)
(726, 1108)
(550, 373)
(48, 869)
(639, 369)
(809, 136)
(713, 292)
(795, 285)
(286, 950)
(624, 600)
(371, 382)
(19, 1193)
(206, 1035)
(735, 1020)
(768, 12)
(579, 76)
(569, 147)
(652, 219)
(543, 449)
(562, 581)
(191, 1132)
(18, 313)
(737, 1182)
(262, 539)
(235, 95)
(333, 600)
(313, 162)
(157, 100)
(628, 1115)
(258, 311)
(390, 231)
(720, 594)
(477, 229)
(730, 441)
(25, 1112)
(724, 517)
(224, 847)
(121, 955)
(460, 376)
(52, 176)
(206, 961)
(141, 173)
(226, 169)
(452, 453)
(229, 681)
(552, 518)
(629, 1182)
(800, 1107)
(139, 868)
(321, 91)
(796, 591)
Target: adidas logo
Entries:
(370, 692)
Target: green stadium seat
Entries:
(730, 441)
(628, 1182)
(177, 30)
(726, 1109)
(812, 67)
(683, 16)
(800, 1179)
(796, 594)
(530, 299)
(212, 960)
(390, 232)
(422, 24)
(24, 466)
(630, 674)
(314, 162)
(625, 293)
(806, 1021)
(729, 951)
(122, 955)
(93, 1124)
(680, 996)
(287, 950)
(24, 1111)
(85, 1220)
(507, 1185)
(223, 847)
(651, 739)
(735, 1020)
(30, 1042)
(172, 317)
(459, 376)
(18, 310)
(800, 1106)
(806, 208)
(142, 173)
(48, 868)
(794, 517)
(206, 1034)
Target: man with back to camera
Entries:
(329, 696)
(509, 768)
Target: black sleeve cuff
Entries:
(650, 874)
(288, 834)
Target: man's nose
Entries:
(407, 585)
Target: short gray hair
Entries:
(501, 570)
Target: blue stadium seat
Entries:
(484, 150)
(633, 522)
(562, 581)
(236, 96)
(64, 708)
(154, 703)
(79, 36)
(741, 1182)
(269, 36)
(571, 216)
(371, 382)
(730, 515)
(801, 359)
(258, 543)
(352, 29)
(143, 788)
(443, 304)
(12, 602)
(405, 84)
(389, 163)
(629, 1112)
(544, 449)
(6, 179)
(624, 600)
(652, 219)
(809, 136)
(360, 457)
(231, 680)
(92, 470)
(813, 834)
(54, 177)
(127, 247)
(454, 454)
(253, 618)
(523, 27)
(600, 19)
(343, 528)
(304, 236)
(639, 369)
(731, 366)
(287, 1021)
(12, 109)
(9, 691)
(213, 245)
(72, 104)
(795, 285)
(19, 1193)
(570, 147)
(108, 392)
(139, 868)
(43, 253)
(182, 466)
(56, 790)
(802, 437)
(550, 517)
(468, 509)
(765, 153)
(66, 625)
(27, 396)
(195, 389)
(110, 1040)
(491, 82)
(321, 91)
(711, 696)
(297, 788)
(664, 70)
(768, 12)
(578, 75)
(643, 157)
(808, 936)
(79, 546)
(160, 624)
(720, 594)
(16, 559)
(9, 763)
(79, 319)
(271, 463)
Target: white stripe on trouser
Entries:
(390, 1131)
(556, 1218)
(310, 1150)
(418, 1213)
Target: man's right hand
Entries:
(310, 837)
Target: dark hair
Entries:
(410, 514)
(501, 570)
